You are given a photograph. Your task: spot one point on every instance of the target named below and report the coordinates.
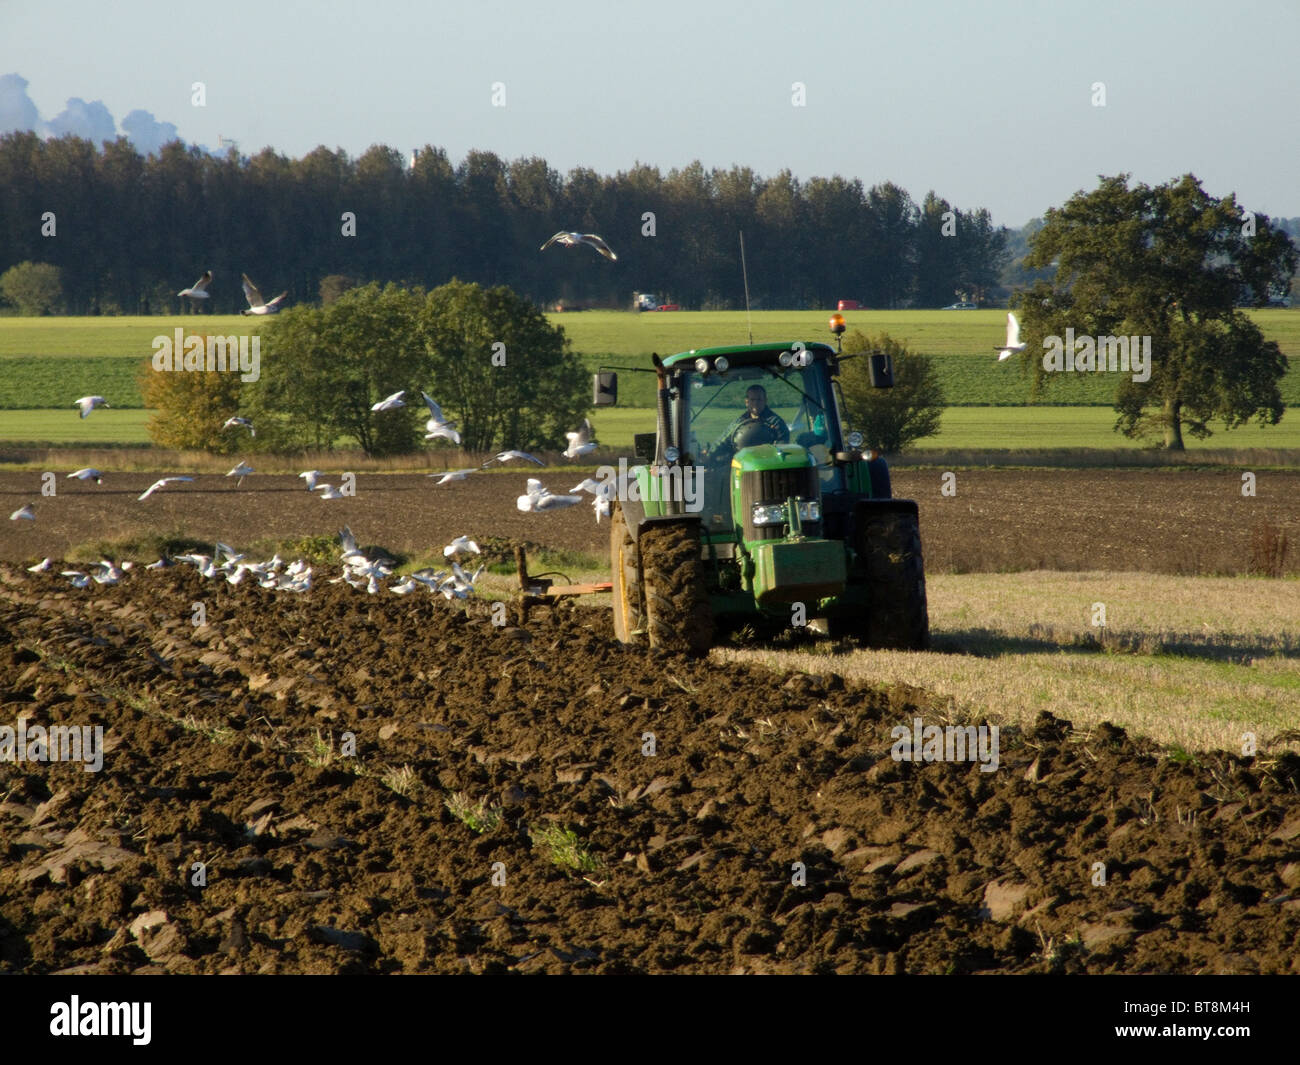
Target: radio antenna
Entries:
(745, 273)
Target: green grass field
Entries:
(49, 362)
(962, 428)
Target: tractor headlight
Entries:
(775, 514)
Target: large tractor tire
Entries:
(625, 569)
(678, 614)
(897, 617)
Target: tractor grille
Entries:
(776, 486)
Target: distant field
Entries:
(48, 362)
(125, 337)
(962, 428)
(114, 427)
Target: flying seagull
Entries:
(88, 474)
(241, 471)
(89, 403)
(42, 566)
(573, 239)
(311, 477)
(437, 425)
(198, 290)
(243, 423)
(26, 513)
(508, 456)
(580, 442)
(453, 475)
(539, 498)
(162, 484)
(461, 545)
(257, 305)
(1013, 343)
(391, 403)
(328, 491)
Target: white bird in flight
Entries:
(311, 477)
(198, 290)
(328, 491)
(42, 566)
(87, 474)
(539, 498)
(257, 305)
(391, 403)
(26, 513)
(508, 456)
(573, 239)
(241, 422)
(89, 403)
(580, 442)
(441, 429)
(462, 545)
(241, 471)
(453, 475)
(1013, 343)
(162, 484)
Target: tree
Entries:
(191, 407)
(332, 286)
(500, 368)
(324, 367)
(890, 418)
(1173, 264)
(34, 288)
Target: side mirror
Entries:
(604, 390)
(882, 370)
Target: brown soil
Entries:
(1163, 521)
(925, 868)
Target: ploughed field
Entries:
(339, 782)
(770, 830)
(1161, 521)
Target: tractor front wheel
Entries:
(677, 609)
(625, 568)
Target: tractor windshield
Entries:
(716, 409)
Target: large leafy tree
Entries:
(890, 418)
(190, 408)
(500, 368)
(323, 368)
(1172, 263)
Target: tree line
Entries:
(129, 231)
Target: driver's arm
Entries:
(779, 427)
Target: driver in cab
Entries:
(759, 424)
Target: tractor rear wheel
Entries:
(677, 609)
(625, 569)
(897, 616)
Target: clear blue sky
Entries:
(989, 104)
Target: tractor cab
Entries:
(755, 497)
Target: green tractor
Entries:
(755, 501)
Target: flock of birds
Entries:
(198, 291)
(256, 304)
(359, 570)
